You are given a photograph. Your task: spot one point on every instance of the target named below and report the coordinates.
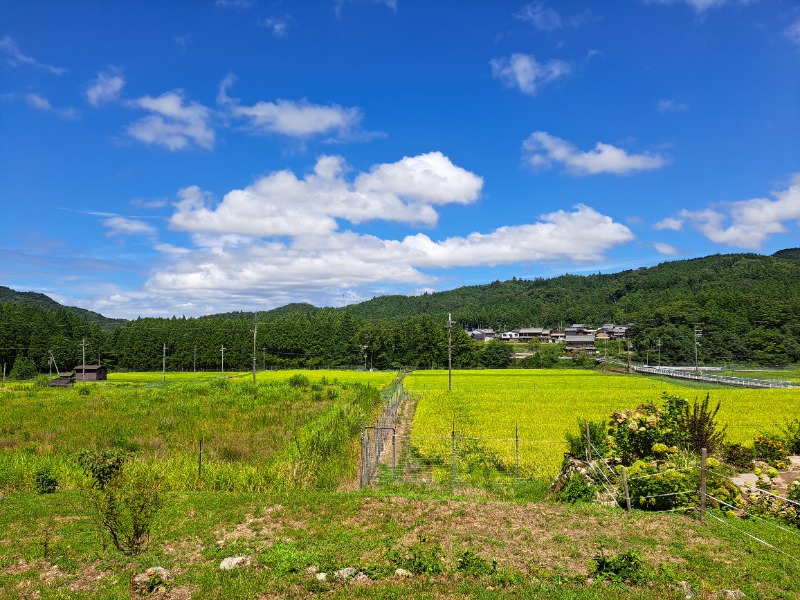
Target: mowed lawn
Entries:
(541, 405)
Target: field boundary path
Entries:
(379, 441)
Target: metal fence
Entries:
(378, 441)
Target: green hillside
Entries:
(46, 302)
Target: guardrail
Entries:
(719, 379)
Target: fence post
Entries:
(453, 460)
(200, 461)
(516, 449)
(625, 487)
(588, 444)
(394, 453)
(703, 457)
(361, 470)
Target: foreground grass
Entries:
(49, 549)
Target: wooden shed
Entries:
(91, 373)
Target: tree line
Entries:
(737, 308)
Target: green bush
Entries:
(124, 509)
(791, 434)
(45, 482)
(299, 380)
(471, 563)
(420, 559)
(701, 425)
(576, 488)
(771, 449)
(738, 456)
(627, 567)
(598, 434)
(102, 465)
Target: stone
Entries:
(733, 594)
(402, 573)
(321, 576)
(686, 588)
(312, 570)
(151, 579)
(344, 573)
(235, 562)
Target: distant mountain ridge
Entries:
(596, 298)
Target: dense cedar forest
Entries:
(747, 306)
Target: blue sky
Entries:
(193, 157)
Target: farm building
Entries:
(91, 373)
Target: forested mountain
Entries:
(43, 301)
(746, 306)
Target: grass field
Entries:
(257, 433)
(542, 405)
(251, 432)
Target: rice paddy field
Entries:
(541, 405)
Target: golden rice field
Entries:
(543, 404)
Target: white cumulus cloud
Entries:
(524, 72)
(542, 150)
(748, 223)
(282, 204)
(175, 123)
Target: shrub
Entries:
(625, 567)
(471, 563)
(102, 465)
(700, 423)
(598, 435)
(738, 456)
(124, 509)
(420, 559)
(299, 380)
(45, 482)
(791, 434)
(576, 488)
(771, 449)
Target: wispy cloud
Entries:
(39, 102)
(525, 73)
(106, 87)
(669, 105)
(175, 123)
(792, 33)
(295, 118)
(542, 150)
(547, 19)
(15, 57)
(700, 6)
(279, 27)
(666, 249)
(117, 225)
(235, 4)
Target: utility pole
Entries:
(255, 331)
(658, 343)
(164, 364)
(264, 358)
(223, 359)
(449, 353)
(697, 334)
(194, 362)
(83, 359)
